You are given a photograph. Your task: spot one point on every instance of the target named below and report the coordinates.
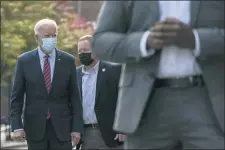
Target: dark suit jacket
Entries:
(106, 99)
(63, 101)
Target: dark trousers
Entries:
(93, 139)
(50, 141)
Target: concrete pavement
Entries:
(10, 144)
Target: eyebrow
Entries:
(47, 34)
(84, 49)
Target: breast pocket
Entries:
(61, 80)
(34, 81)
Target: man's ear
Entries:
(37, 40)
(36, 37)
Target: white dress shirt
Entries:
(89, 81)
(175, 62)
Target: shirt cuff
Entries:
(144, 51)
(18, 130)
(197, 49)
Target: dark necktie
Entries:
(47, 73)
(47, 77)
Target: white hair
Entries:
(43, 22)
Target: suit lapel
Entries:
(79, 80)
(58, 65)
(194, 11)
(100, 79)
(155, 9)
(152, 13)
(39, 72)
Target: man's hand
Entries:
(120, 137)
(19, 135)
(171, 31)
(75, 138)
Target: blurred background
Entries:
(74, 18)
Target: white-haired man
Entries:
(53, 110)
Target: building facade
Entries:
(87, 9)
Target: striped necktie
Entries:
(47, 77)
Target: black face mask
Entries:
(85, 59)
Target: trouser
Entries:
(174, 114)
(50, 140)
(92, 139)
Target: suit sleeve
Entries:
(111, 42)
(17, 97)
(75, 100)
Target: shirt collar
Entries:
(95, 69)
(42, 54)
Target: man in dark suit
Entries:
(52, 109)
(172, 80)
(98, 83)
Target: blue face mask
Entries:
(49, 44)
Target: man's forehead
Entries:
(45, 29)
(84, 43)
(84, 46)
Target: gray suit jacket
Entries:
(120, 27)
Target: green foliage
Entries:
(17, 36)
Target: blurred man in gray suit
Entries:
(172, 81)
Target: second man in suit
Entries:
(98, 84)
